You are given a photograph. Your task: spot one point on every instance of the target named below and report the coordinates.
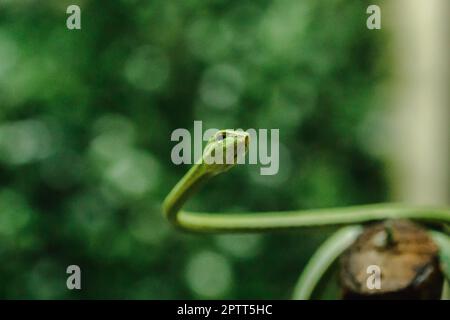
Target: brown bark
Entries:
(403, 252)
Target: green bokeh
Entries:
(85, 123)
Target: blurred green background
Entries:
(85, 124)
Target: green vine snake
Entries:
(223, 151)
(204, 169)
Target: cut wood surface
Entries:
(406, 257)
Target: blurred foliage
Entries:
(85, 124)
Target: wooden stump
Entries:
(406, 257)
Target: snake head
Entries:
(225, 149)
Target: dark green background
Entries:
(85, 123)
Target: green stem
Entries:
(322, 259)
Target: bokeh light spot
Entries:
(14, 213)
(24, 141)
(133, 173)
(209, 275)
(240, 246)
(221, 86)
(8, 55)
(147, 69)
